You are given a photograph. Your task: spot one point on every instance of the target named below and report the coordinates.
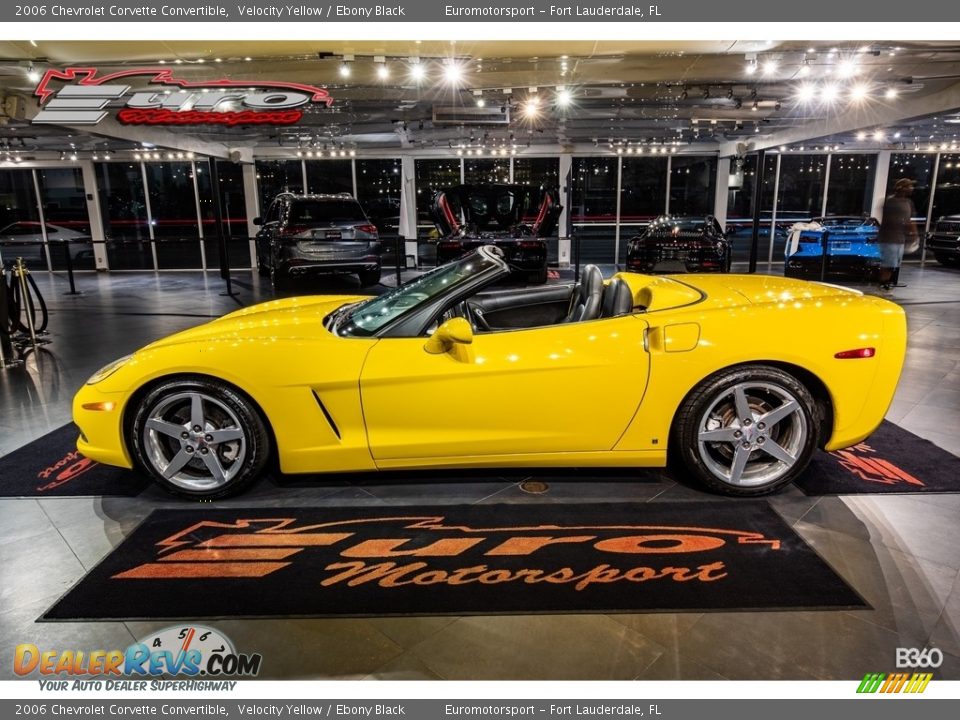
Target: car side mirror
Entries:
(258, 220)
(455, 331)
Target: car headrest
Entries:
(617, 299)
(591, 281)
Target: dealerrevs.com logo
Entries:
(184, 651)
(80, 96)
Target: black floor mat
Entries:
(892, 460)
(51, 467)
(464, 559)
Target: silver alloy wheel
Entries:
(752, 434)
(194, 441)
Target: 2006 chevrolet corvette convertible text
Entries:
(739, 377)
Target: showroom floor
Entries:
(901, 552)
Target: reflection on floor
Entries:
(900, 552)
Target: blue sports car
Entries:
(852, 247)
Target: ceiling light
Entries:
(344, 69)
(769, 67)
(891, 93)
(383, 72)
(848, 68)
(756, 106)
(218, 59)
(751, 67)
(417, 70)
(33, 75)
(564, 97)
(861, 135)
(859, 92)
(897, 134)
(804, 69)
(878, 135)
(829, 93)
(247, 59)
(452, 72)
(806, 92)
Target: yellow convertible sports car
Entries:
(740, 378)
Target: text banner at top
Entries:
(418, 11)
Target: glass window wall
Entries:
(330, 176)
(20, 231)
(123, 205)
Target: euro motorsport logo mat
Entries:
(476, 559)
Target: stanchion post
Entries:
(824, 247)
(400, 252)
(69, 259)
(21, 271)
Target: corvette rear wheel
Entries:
(747, 431)
(199, 438)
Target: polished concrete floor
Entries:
(901, 552)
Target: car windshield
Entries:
(305, 212)
(368, 317)
(683, 223)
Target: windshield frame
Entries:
(411, 321)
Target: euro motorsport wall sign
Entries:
(80, 96)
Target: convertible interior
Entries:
(589, 299)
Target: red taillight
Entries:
(857, 354)
(371, 229)
(449, 245)
(530, 244)
(293, 230)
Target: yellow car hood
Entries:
(296, 317)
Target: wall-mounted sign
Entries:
(84, 97)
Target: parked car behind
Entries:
(312, 235)
(680, 243)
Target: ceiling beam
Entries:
(863, 117)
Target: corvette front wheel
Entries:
(747, 431)
(198, 438)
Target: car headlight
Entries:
(108, 370)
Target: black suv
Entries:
(307, 235)
(944, 240)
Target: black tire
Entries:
(765, 389)
(252, 452)
(369, 277)
(539, 277)
(945, 259)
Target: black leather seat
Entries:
(617, 299)
(588, 296)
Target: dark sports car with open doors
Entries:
(514, 218)
(675, 243)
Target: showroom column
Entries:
(722, 190)
(880, 183)
(408, 208)
(95, 215)
(566, 171)
(251, 199)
